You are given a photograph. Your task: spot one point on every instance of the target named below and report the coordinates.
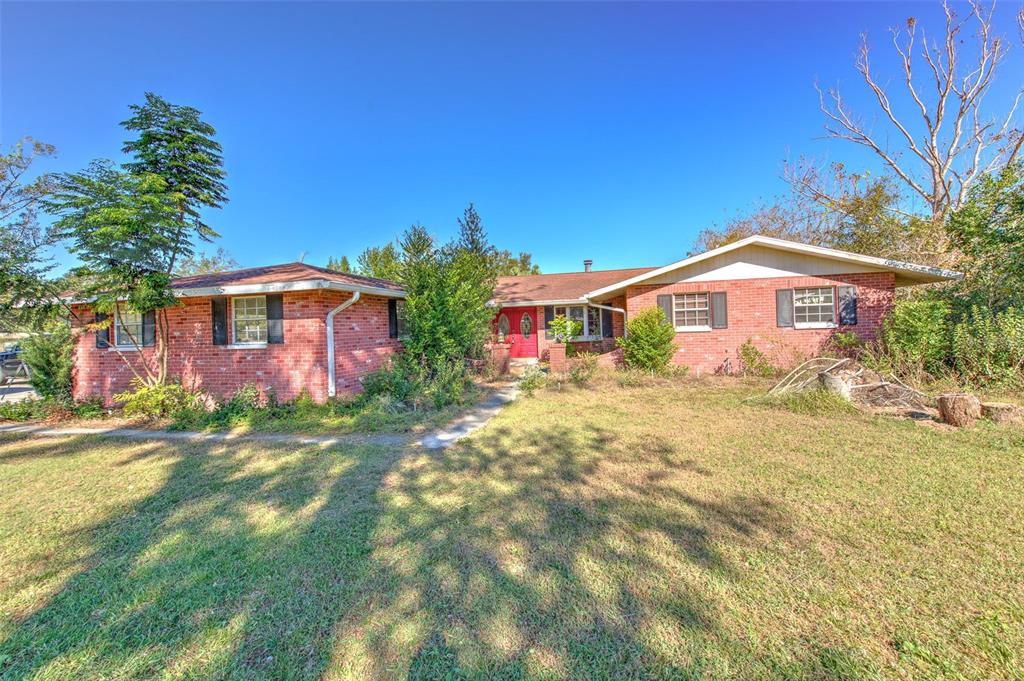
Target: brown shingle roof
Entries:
(567, 286)
(275, 274)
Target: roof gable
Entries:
(557, 288)
(294, 276)
(786, 258)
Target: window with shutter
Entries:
(814, 308)
(249, 320)
(692, 312)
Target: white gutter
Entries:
(280, 287)
(331, 388)
(607, 307)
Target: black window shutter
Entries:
(275, 318)
(220, 321)
(102, 335)
(848, 305)
(149, 329)
(606, 323)
(784, 307)
(392, 318)
(549, 314)
(719, 311)
(665, 303)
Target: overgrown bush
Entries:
(563, 330)
(988, 349)
(753, 362)
(532, 380)
(649, 341)
(408, 383)
(915, 337)
(846, 344)
(155, 401)
(48, 356)
(583, 368)
(25, 410)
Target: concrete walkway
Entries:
(473, 419)
(192, 436)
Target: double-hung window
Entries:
(814, 307)
(128, 329)
(692, 312)
(249, 319)
(588, 318)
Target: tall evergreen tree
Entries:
(339, 265)
(176, 144)
(383, 262)
(130, 229)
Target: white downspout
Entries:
(331, 388)
(613, 309)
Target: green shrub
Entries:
(649, 341)
(532, 380)
(25, 410)
(916, 337)
(91, 408)
(447, 382)
(563, 330)
(753, 362)
(48, 356)
(583, 368)
(155, 401)
(847, 344)
(397, 380)
(989, 349)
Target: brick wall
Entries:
(361, 346)
(751, 313)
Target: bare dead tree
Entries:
(948, 142)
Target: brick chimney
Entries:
(587, 264)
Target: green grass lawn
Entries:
(663, 530)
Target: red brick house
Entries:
(287, 328)
(787, 298)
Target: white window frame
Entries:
(127, 343)
(692, 328)
(588, 334)
(234, 323)
(815, 324)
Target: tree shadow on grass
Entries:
(552, 552)
(235, 565)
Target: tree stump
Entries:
(834, 384)
(959, 409)
(1002, 412)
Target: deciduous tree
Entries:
(948, 139)
(24, 262)
(205, 263)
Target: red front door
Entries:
(519, 325)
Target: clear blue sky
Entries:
(609, 131)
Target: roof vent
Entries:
(587, 264)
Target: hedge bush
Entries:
(649, 341)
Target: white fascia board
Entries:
(284, 287)
(539, 303)
(927, 273)
(280, 287)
